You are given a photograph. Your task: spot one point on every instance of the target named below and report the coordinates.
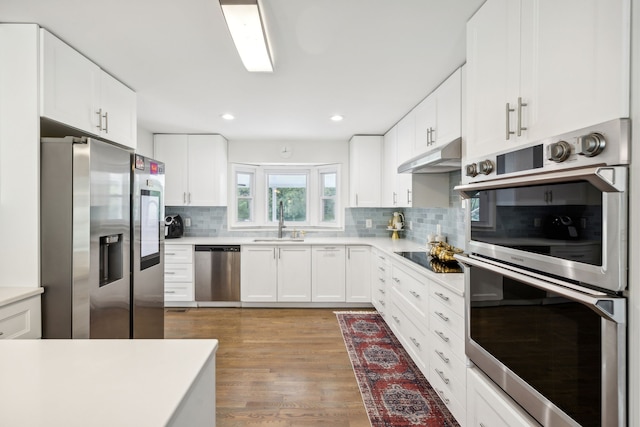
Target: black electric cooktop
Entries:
(431, 263)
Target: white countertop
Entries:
(97, 382)
(9, 295)
(453, 281)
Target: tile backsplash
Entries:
(212, 221)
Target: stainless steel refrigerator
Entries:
(85, 238)
(147, 217)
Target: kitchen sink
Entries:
(283, 239)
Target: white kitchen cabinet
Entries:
(365, 161)
(195, 169)
(276, 273)
(178, 273)
(380, 281)
(534, 70)
(438, 116)
(488, 405)
(21, 319)
(259, 274)
(358, 274)
(328, 274)
(406, 136)
(77, 93)
(294, 273)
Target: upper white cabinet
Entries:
(77, 93)
(540, 68)
(365, 157)
(195, 169)
(438, 117)
(406, 137)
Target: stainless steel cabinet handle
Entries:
(381, 269)
(279, 253)
(381, 257)
(443, 296)
(184, 198)
(509, 110)
(396, 319)
(443, 336)
(395, 279)
(442, 316)
(408, 196)
(381, 302)
(382, 291)
(274, 253)
(189, 197)
(106, 122)
(356, 199)
(415, 342)
(415, 294)
(520, 105)
(169, 292)
(381, 279)
(169, 272)
(99, 113)
(482, 425)
(444, 399)
(441, 374)
(395, 198)
(444, 358)
(169, 253)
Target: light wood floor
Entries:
(276, 367)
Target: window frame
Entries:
(259, 208)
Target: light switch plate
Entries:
(187, 222)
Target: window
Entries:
(309, 195)
(244, 196)
(290, 189)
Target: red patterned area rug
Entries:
(394, 390)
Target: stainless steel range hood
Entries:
(445, 158)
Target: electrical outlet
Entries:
(187, 222)
(410, 225)
(368, 223)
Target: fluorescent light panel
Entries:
(248, 34)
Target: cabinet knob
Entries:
(471, 170)
(485, 167)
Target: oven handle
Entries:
(610, 308)
(608, 179)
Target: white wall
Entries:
(634, 226)
(19, 156)
(145, 142)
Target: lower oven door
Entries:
(559, 351)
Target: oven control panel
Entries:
(604, 144)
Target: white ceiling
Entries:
(369, 60)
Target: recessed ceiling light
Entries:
(227, 116)
(337, 118)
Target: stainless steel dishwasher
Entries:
(217, 273)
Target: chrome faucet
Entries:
(281, 219)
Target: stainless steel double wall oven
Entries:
(547, 271)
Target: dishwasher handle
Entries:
(217, 248)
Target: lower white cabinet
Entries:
(21, 319)
(489, 406)
(328, 278)
(358, 274)
(276, 274)
(380, 281)
(178, 273)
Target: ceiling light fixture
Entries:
(227, 116)
(247, 29)
(337, 118)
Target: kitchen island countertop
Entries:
(106, 382)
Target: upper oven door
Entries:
(570, 224)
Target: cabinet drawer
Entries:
(446, 339)
(178, 292)
(178, 254)
(448, 298)
(178, 273)
(441, 355)
(446, 317)
(414, 339)
(454, 378)
(457, 409)
(21, 319)
(413, 289)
